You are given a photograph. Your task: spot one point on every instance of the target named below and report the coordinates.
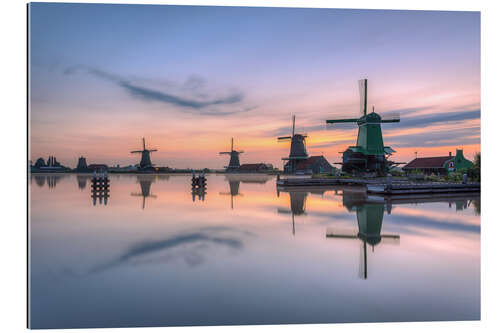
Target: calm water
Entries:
(246, 254)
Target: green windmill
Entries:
(369, 154)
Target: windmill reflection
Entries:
(369, 216)
(145, 182)
(297, 205)
(234, 181)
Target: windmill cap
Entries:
(373, 118)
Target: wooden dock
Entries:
(382, 186)
(425, 188)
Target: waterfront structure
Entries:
(97, 167)
(52, 165)
(439, 165)
(299, 161)
(145, 156)
(314, 165)
(369, 154)
(298, 150)
(234, 158)
(255, 167)
(82, 165)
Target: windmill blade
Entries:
(240, 152)
(346, 120)
(225, 152)
(143, 144)
(340, 233)
(136, 151)
(363, 269)
(363, 92)
(293, 126)
(390, 117)
(389, 239)
(284, 211)
(152, 150)
(232, 144)
(281, 138)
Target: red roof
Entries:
(428, 162)
(308, 163)
(252, 166)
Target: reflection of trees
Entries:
(39, 180)
(477, 206)
(50, 179)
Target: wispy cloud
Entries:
(198, 103)
(438, 118)
(191, 246)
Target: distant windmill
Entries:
(145, 155)
(234, 160)
(297, 149)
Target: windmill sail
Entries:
(363, 91)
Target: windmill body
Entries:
(369, 154)
(298, 150)
(234, 158)
(145, 156)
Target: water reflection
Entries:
(297, 205)
(82, 181)
(234, 181)
(369, 217)
(243, 266)
(191, 246)
(50, 179)
(145, 182)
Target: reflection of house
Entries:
(440, 164)
(98, 167)
(255, 167)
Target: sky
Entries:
(188, 78)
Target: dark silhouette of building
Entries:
(234, 158)
(314, 165)
(97, 167)
(145, 156)
(82, 165)
(255, 167)
(39, 163)
(298, 150)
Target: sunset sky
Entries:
(189, 78)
